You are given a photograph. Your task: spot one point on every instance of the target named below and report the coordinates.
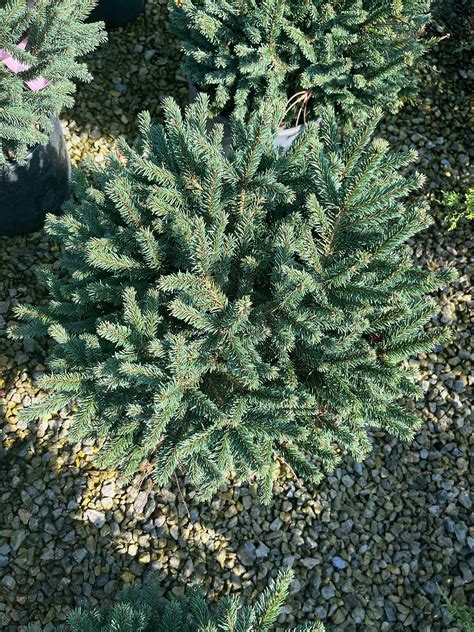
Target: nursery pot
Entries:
(117, 13)
(284, 138)
(40, 186)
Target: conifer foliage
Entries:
(141, 609)
(351, 54)
(39, 44)
(224, 312)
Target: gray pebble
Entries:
(328, 591)
(9, 582)
(338, 562)
(247, 554)
(80, 555)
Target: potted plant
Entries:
(116, 13)
(225, 312)
(39, 44)
(351, 54)
(143, 609)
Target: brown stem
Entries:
(181, 495)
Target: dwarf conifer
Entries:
(223, 312)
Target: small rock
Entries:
(247, 554)
(247, 502)
(430, 588)
(140, 502)
(107, 503)
(96, 517)
(9, 582)
(289, 561)
(460, 531)
(358, 614)
(47, 555)
(338, 617)
(465, 500)
(102, 580)
(390, 613)
(328, 591)
(80, 555)
(18, 538)
(309, 562)
(108, 490)
(338, 562)
(174, 562)
(347, 480)
(262, 550)
(230, 512)
(160, 520)
(276, 524)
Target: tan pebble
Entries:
(221, 557)
(174, 562)
(128, 577)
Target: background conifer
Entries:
(351, 54)
(223, 312)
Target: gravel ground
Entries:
(369, 546)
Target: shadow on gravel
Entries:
(59, 547)
(71, 535)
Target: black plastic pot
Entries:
(117, 13)
(41, 186)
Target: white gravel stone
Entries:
(96, 517)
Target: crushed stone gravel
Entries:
(370, 546)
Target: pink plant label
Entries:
(16, 66)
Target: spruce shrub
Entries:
(350, 54)
(224, 312)
(46, 38)
(141, 609)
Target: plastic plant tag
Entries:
(16, 67)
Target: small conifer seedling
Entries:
(221, 312)
(39, 45)
(350, 54)
(141, 609)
